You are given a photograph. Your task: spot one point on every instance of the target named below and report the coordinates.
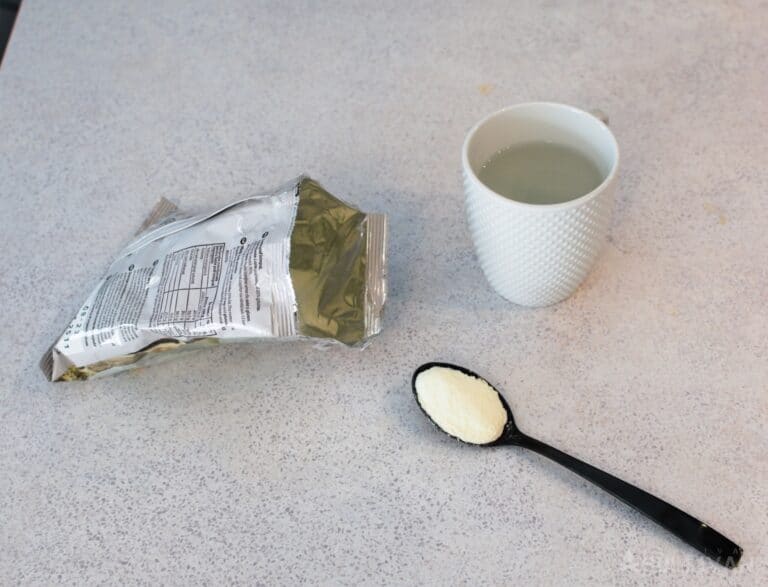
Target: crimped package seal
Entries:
(295, 264)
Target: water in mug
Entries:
(540, 173)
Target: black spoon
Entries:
(686, 527)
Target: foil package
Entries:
(298, 263)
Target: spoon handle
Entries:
(684, 526)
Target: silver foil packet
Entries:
(296, 263)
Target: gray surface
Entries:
(284, 464)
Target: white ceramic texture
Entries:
(537, 255)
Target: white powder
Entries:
(464, 406)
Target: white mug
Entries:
(538, 254)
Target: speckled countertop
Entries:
(282, 464)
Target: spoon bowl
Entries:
(510, 432)
(683, 525)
